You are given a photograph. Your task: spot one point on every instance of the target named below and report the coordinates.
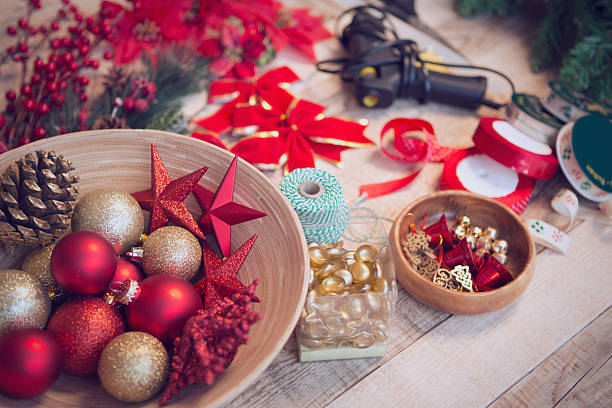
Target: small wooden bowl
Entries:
(483, 212)
(122, 158)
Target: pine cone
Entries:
(37, 196)
(109, 122)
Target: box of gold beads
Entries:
(349, 303)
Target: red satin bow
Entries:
(267, 88)
(410, 149)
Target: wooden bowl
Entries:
(122, 158)
(483, 212)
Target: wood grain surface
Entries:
(522, 355)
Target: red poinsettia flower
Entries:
(296, 135)
(301, 29)
(234, 52)
(150, 23)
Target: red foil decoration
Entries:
(127, 270)
(83, 263)
(210, 341)
(220, 211)
(165, 198)
(461, 254)
(82, 328)
(438, 231)
(492, 274)
(163, 306)
(30, 362)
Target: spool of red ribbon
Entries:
(504, 143)
(415, 142)
(471, 170)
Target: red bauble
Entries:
(127, 270)
(83, 263)
(163, 306)
(82, 328)
(30, 362)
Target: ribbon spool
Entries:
(471, 170)
(569, 106)
(502, 142)
(316, 196)
(526, 113)
(573, 171)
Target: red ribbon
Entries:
(410, 149)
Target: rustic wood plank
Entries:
(595, 390)
(559, 374)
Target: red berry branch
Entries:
(210, 341)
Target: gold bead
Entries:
(353, 307)
(334, 252)
(172, 251)
(359, 288)
(463, 221)
(344, 275)
(460, 231)
(484, 242)
(311, 278)
(361, 271)
(500, 246)
(348, 255)
(491, 232)
(366, 253)
(313, 245)
(379, 336)
(480, 252)
(318, 256)
(380, 324)
(133, 367)
(321, 290)
(364, 340)
(333, 284)
(502, 258)
(373, 301)
(477, 231)
(380, 285)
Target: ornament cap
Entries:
(122, 293)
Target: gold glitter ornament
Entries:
(111, 213)
(38, 264)
(24, 302)
(171, 251)
(133, 367)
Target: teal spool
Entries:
(317, 198)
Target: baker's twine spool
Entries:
(316, 196)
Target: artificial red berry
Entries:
(52, 86)
(73, 66)
(72, 8)
(29, 104)
(141, 105)
(84, 50)
(17, 58)
(43, 29)
(67, 58)
(38, 64)
(53, 57)
(57, 99)
(23, 141)
(33, 30)
(51, 66)
(3, 146)
(83, 97)
(51, 76)
(39, 132)
(10, 95)
(23, 23)
(108, 55)
(84, 80)
(36, 79)
(55, 26)
(56, 43)
(90, 21)
(42, 108)
(66, 2)
(78, 17)
(22, 47)
(128, 104)
(10, 30)
(62, 84)
(26, 90)
(94, 63)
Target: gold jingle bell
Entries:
(491, 232)
(484, 242)
(463, 221)
(501, 246)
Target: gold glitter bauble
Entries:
(24, 301)
(113, 214)
(38, 264)
(133, 366)
(171, 251)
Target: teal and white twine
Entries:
(317, 198)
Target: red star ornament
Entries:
(220, 279)
(165, 198)
(220, 211)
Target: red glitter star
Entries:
(220, 279)
(220, 211)
(165, 198)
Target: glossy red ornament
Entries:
(127, 270)
(82, 328)
(83, 263)
(163, 306)
(492, 274)
(30, 362)
(439, 231)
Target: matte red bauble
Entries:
(163, 306)
(127, 270)
(83, 263)
(82, 328)
(30, 362)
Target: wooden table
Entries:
(552, 347)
